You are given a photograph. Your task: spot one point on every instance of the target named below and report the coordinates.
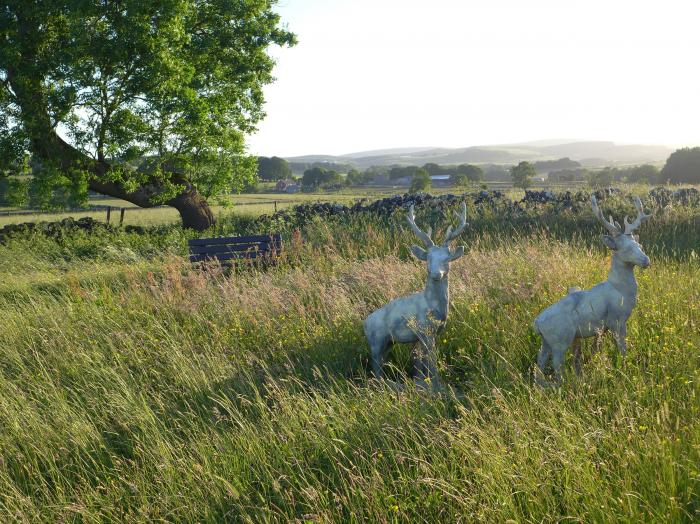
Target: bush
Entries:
(522, 175)
(420, 181)
(683, 166)
(318, 177)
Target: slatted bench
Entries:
(228, 250)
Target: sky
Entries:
(375, 74)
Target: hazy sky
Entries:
(372, 74)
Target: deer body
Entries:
(605, 307)
(417, 318)
(427, 310)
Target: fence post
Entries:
(121, 217)
(109, 212)
(275, 206)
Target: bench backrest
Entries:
(234, 248)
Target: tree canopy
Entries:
(357, 178)
(683, 166)
(522, 175)
(318, 177)
(602, 177)
(562, 163)
(420, 181)
(273, 168)
(459, 180)
(143, 100)
(474, 173)
(470, 175)
(646, 174)
(402, 172)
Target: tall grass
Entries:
(134, 388)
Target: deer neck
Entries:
(436, 295)
(621, 277)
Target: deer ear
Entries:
(609, 242)
(458, 252)
(419, 253)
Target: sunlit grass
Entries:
(135, 388)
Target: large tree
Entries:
(646, 173)
(522, 174)
(273, 168)
(683, 166)
(148, 101)
(420, 182)
(474, 173)
(467, 174)
(318, 177)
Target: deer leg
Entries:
(558, 354)
(542, 359)
(425, 373)
(620, 336)
(378, 347)
(598, 341)
(576, 346)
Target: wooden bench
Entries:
(228, 250)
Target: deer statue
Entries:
(419, 317)
(605, 307)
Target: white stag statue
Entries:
(419, 317)
(605, 307)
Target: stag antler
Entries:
(611, 226)
(450, 235)
(630, 227)
(422, 235)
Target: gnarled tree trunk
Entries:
(193, 207)
(52, 149)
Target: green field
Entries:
(134, 388)
(250, 204)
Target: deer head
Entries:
(438, 257)
(623, 241)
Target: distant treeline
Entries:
(683, 166)
(645, 174)
(474, 172)
(545, 166)
(301, 167)
(277, 168)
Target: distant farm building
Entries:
(440, 180)
(287, 186)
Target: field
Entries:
(134, 388)
(251, 204)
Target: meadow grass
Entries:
(247, 204)
(134, 388)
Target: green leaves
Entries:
(683, 166)
(138, 84)
(522, 174)
(420, 181)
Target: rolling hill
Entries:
(588, 153)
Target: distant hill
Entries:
(388, 152)
(588, 153)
